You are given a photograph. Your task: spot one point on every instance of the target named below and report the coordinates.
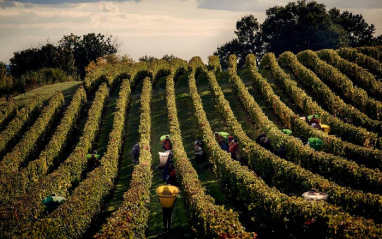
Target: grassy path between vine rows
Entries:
(206, 176)
(121, 184)
(159, 126)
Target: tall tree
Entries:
(245, 43)
(88, 48)
(47, 56)
(299, 26)
(359, 32)
(295, 27)
(5, 80)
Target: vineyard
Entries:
(44, 146)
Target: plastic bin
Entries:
(325, 128)
(287, 131)
(167, 195)
(315, 143)
(224, 134)
(163, 156)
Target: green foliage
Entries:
(28, 144)
(359, 32)
(6, 81)
(87, 198)
(88, 48)
(247, 29)
(288, 177)
(147, 58)
(362, 155)
(16, 125)
(342, 84)
(60, 181)
(299, 26)
(38, 168)
(267, 206)
(357, 74)
(210, 220)
(47, 56)
(362, 60)
(295, 27)
(346, 172)
(45, 76)
(130, 221)
(7, 111)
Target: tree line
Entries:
(65, 61)
(296, 27)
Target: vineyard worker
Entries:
(234, 149)
(52, 202)
(314, 120)
(264, 141)
(220, 140)
(136, 151)
(167, 195)
(166, 143)
(93, 162)
(198, 152)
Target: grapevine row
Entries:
(28, 207)
(362, 155)
(7, 111)
(19, 154)
(17, 124)
(267, 206)
(359, 76)
(86, 201)
(358, 118)
(287, 176)
(335, 104)
(131, 219)
(104, 72)
(210, 219)
(342, 84)
(334, 168)
(17, 184)
(370, 51)
(362, 60)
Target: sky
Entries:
(184, 28)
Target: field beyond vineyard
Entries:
(46, 134)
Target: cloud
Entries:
(238, 5)
(262, 5)
(109, 7)
(16, 3)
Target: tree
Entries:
(47, 56)
(359, 33)
(88, 48)
(245, 43)
(147, 58)
(227, 49)
(295, 27)
(299, 26)
(5, 80)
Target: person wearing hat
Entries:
(167, 195)
(52, 202)
(166, 144)
(93, 162)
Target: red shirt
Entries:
(234, 148)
